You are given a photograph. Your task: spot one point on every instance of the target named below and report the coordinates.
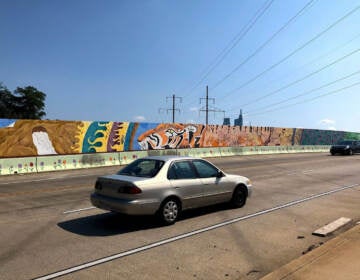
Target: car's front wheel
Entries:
(239, 197)
(350, 152)
(169, 211)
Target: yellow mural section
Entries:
(29, 137)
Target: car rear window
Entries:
(142, 168)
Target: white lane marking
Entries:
(79, 210)
(303, 172)
(44, 179)
(185, 235)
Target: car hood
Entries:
(339, 146)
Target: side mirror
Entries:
(220, 174)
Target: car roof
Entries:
(169, 157)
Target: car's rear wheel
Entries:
(239, 197)
(169, 211)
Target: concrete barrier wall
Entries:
(24, 165)
(27, 138)
(18, 165)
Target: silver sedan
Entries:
(167, 185)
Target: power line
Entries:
(293, 52)
(326, 54)
(301, 79)
(233, 43)
(306, 93)
(306, 100)
(314, 60)
(297, 15)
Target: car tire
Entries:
(169, 211)
(239, 197)
(350, 152)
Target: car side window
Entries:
(181, 170)
(205, 169)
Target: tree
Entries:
(23, 103)
(5, 102)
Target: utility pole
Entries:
(173, 109)
(207, 110)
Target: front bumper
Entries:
(339, 151)
(130, 207)
(250, 190)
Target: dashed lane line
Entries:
(79, 210)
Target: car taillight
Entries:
(129, 190)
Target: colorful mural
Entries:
(19, 138)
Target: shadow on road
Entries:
(108, 224)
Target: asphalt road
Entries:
(47, 224)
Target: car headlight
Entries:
(347, 147)
(248, 182)
(98, 185)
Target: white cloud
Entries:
(328, 124)
(139, 118)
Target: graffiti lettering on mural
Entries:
(19, 138)
(172, 136)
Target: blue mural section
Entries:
(94, 137)
(137, 130)
(6, 122)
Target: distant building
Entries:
(226, 121)
(239, 121)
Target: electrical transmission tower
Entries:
(206, 109)
(173, 109)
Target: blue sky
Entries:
(122, 60)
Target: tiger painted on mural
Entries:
(172, 136)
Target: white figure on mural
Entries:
(42, 143)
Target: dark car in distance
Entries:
(346, 147)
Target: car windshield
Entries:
(142, 168)
(345, 143)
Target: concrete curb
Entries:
(338, 258)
